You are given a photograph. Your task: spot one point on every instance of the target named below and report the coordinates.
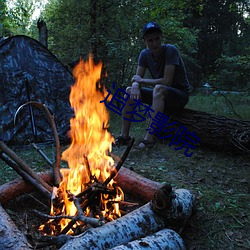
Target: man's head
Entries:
(150, 28)
(152, 36)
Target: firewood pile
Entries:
(156, 222)
(87, 206)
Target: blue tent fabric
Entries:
(29, 71)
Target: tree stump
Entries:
(215, 132)
(43, 32)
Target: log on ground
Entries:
(148, 219)
(161, 240)
(139, 223)
(18, 187)
(10, 237)
(131, 182)
(215, 132)
(137, 185)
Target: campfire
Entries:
(87, 198)
(87, 188)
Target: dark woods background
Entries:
(212, 35)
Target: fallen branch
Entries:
(120, 163)
(215, 132)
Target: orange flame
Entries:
(90, 138)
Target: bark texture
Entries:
(140, 187)
(131, 182)
(162, 240)
(148, 219)
(10, 237)
(43, 32)
(18, 187)
(215, 132)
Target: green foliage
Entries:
(233, 72)
(20, 16)
(212, 36)
(111, 30)
(4, 19)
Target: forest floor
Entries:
(219, 180)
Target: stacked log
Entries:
(167, 209)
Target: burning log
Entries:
(166, 208)
(10, 237)
(163, 239)
(140, 187)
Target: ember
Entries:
(87, 188)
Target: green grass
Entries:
(220, 181)
(228, 105)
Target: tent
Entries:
(30, 72)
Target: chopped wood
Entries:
(138, 223)
(161, 240)
(175, 206)
(10, 237)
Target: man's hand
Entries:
(136, 78)
(135, 91)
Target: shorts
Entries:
(175, 98)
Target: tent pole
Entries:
(33, 125)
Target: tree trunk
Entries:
(10, 237)
(43, 32)
(215, 132)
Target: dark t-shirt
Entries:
(171, 56)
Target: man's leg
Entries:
(126, 123)
(158, 104)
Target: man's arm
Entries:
(166, 80)
(135, 89)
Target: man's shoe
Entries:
(145, 144)
(121, 141)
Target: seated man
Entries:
(169, 84)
